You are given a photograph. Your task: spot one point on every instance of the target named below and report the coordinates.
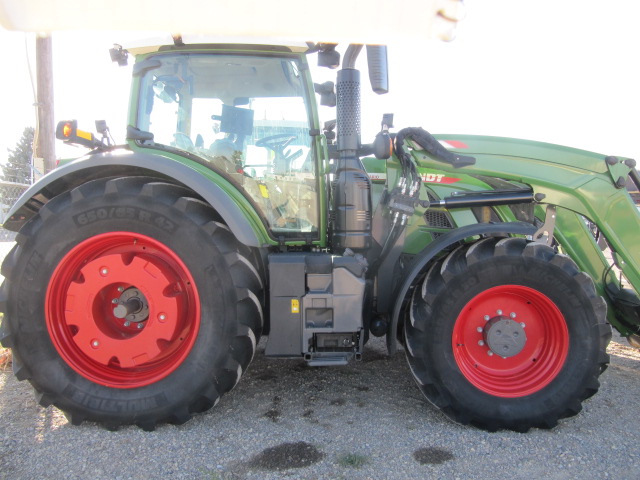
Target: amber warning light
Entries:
(67, 130)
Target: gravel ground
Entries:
(363, 421)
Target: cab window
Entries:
(247, 118)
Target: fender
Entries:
(104, 165)
(422, 259)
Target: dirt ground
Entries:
(363, 421)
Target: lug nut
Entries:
(512, 314)
(479, 329)
(95, 344)
(162, 317)
(487, 318)
(104, 271)
(115, 300)
(481, 343)
(499, 312)
(490, 353)
(522, 324)
(121, 289)
(127, 323)
(140, 326)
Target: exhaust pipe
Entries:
(352, 185)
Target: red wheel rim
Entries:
(84, 323)
(543, 353)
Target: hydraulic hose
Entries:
(432, 146)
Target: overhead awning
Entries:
(352, 21)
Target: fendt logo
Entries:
(438, 178)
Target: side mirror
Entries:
(378, 68)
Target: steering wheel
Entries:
(277, 144)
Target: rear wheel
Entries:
(127, 302)
(506, 333)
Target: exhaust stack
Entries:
(352, 186)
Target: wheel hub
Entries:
(504, 336)
(131, 306)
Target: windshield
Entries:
(247, 118)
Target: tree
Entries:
(18, 166)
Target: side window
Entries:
(265, 147)
(246, 116)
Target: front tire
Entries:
(127, 302)
(505, 333)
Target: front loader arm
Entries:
(583, 188)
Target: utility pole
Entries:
(45, 148)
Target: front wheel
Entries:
(127, 302)
(506, 333)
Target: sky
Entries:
(563, 72)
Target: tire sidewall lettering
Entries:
(135, 214)
(111, 405)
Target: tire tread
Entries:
(245, 276)
(434, 285)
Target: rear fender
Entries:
(242, 220)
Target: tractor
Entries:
(145, 273)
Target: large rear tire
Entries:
(128, 303)
(507, 333)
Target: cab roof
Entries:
(168, 41)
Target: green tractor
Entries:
(144, 274)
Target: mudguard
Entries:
(422, 259)
(104, 165)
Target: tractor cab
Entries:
(248, 116)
